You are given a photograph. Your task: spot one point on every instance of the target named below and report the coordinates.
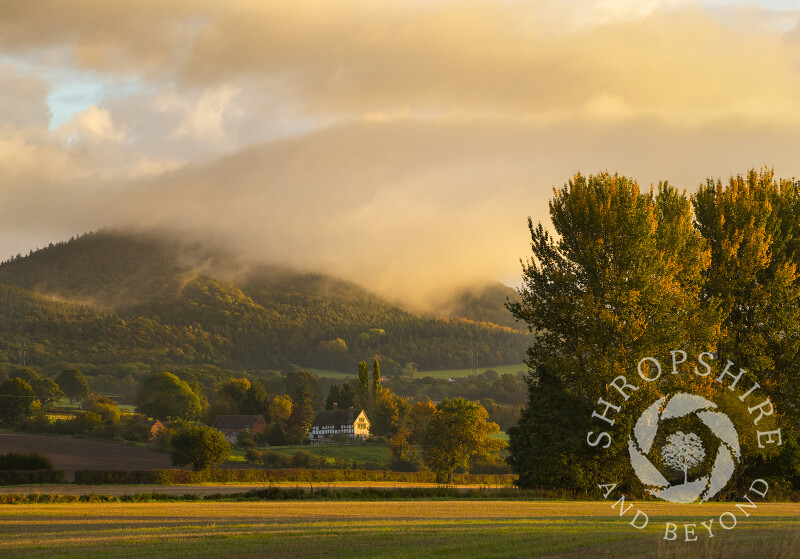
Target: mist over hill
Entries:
(111, 297)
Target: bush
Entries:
(253, 455)
(24, 461)
(31, 477)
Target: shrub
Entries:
(32, 477)
(24, 461)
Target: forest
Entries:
(124, 303)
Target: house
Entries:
(351, 423)
(154, 426)
(230, 425)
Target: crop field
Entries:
(397, 529)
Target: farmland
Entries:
(398, 529)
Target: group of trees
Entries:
(630, 274)
(25, 390)
(452, 434)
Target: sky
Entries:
(401, 145)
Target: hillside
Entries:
(110, 297)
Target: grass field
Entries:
(360, 453)
(401, 529)
(448, 373)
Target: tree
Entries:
(385, 414)
(16, 399)
(752, 224)
(164, 396)
(255, 401)
(682, 452)
(363, 385)
(542, 444)
(458, 430)
(44, 389)
(600, 295)
(303, 406)
(198, 446)
(73, 384)
(47, 391)
(376, 379)
(280, 409)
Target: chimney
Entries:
(335, 406)
(351, 414)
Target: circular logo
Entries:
(683, 451)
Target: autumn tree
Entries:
(385, 414)
(752, 224)
(458, 430)
(280, 409)
(599, 295)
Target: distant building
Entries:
(351, 423)
(230, 425)
(155, 427)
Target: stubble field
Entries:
(398, 529)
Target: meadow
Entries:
(390, 529)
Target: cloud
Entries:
(22, 99)
(398, 144)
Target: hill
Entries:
(111, 297)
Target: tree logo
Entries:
(683, 452)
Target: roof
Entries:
(236, 422)
(335, 417)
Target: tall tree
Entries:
(303, 407)
(376, 379)
(602, 294)
(752, 224)
(363, 385)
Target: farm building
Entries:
(351, 423)
(230, 425)
(154, 425)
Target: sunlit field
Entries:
(399, 529)
(445, 374)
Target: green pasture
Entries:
(445, 374)
(396, 529)
(357, 452)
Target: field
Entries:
(378, 454)
(445, 374)
(70, 454)
(398, 529)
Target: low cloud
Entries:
(399, 145)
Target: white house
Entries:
(352, 423)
